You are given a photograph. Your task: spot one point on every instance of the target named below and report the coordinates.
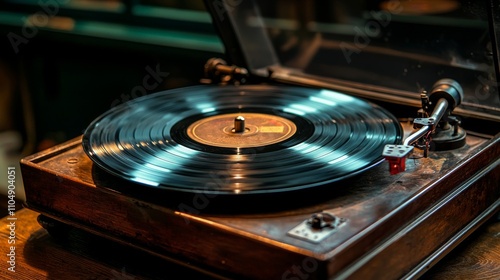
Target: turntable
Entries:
(315, 152)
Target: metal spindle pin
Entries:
(239, 124)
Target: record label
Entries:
(242, 130)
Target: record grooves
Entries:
(296, 138)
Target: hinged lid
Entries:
(385, 50)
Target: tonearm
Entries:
(434, 126)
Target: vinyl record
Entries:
(236, 140)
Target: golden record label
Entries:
(258, 130)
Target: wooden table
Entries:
(80, 255)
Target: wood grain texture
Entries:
(78, 256)
(450, 189)
(84, 256)
(478, 257)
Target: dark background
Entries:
(55, 82)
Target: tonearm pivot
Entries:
(435, 125)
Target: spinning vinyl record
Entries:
(238, 140)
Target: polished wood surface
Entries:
(478, 257)
(405, 219)
(77, 256)
(84, 256)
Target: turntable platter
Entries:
(236, 140)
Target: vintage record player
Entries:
(359, 140)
